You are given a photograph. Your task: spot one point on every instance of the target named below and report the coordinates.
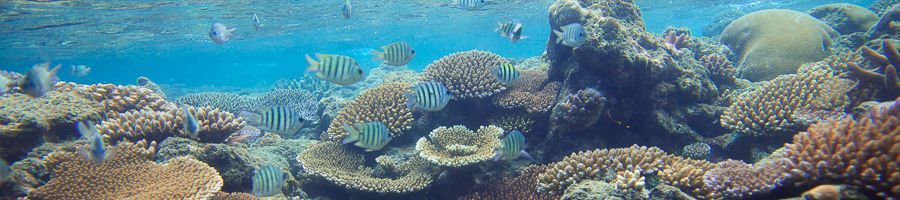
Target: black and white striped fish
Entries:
(338, 69)
(512, 147)
(506, 73)
(396, 54)
(191, 126)
(571, 35)
(370, 135)
(511, 30)
(277, 119)
(429, 96)
(469, 4)
(268, 180)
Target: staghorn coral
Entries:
(698, 150)
(129, 173)
(461, 146)
(512, 121)
(887, 62)
(587, 165)
(532, 91)
(229, 102)
(118, 99)
(215, 125)
(733, 179)
(687, 175)
(466, 74)
(861, 152)
(770, 108)
(21, 113)
(718, 68)
(514, 188)
(347, 168)
(630, 180)
(580, 110)
(385, 103)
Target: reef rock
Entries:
(599, 190)
(844, 17)
(776, 41)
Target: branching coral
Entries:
(888, 64)
(733, 179)
(458, 146)
(512, 121)
(686, 174)
(215, 125)
(309, 83)
(587, 165)
(128, 173)
(346, 168)
(467, 74)
(718, 68)
(677, 38)
(228, 102)
(532, 91)
(118, 99)
(385, 103)
(514, 188)
(630, 180)
(861, 152)
(22, 113)
(580, 110)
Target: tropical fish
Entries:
(511, 30)
(396, 54)
(80, 70)
(220, 34)
(571, 35)
(247, 134)
(347, 9)
(469, 4)
(268, 180)
(4, 170)
(429, 96)
(371, 135)
(39, 80)
(338, 69)
(506, 73)
(97, 152)
(278, 119)
(512, 147)
(256, 23)
(191, 127)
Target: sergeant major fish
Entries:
(220, 34)
(191, 127)
(572, 35)
(469, 4)
(39, 80)
(506, 73)
(347, 9)
(396, 54)
(429, 96)
(268, 181)
(80, 70)
(512, 147)
(511, 30)
(338, 69)
(371, 135)
(97, 153)
(277, 119)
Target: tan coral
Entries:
(129, 173)
(467, 74)
(718, 68)
(512, 121)
(514, 188)
(215, 125)
(732, 179)
(233, 196)
(587, 165)
(532, 91)
(686, 174)
(385, 103)
(630, 180)
(344, 167)
(22, 113)
(118, 98)
(460, 146)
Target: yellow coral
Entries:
(467, 74)
(347, 168)
(686, 174)
(129, 173)
(461, 146)
(118, 98)
(532, 91)
(588, 165)
(215, 125)
(385, 103)
(630, 180)
(22, 113)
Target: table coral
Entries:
(344, 167)
(467, 74)
(461, 146)
(228, 102)
(21, 113)
(531, 91)
(385, 103)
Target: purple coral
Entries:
(676, 40)
(582, 109)
(734, 179)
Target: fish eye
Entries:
(359, 71)
(412, 51)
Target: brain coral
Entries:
(215, 125)
(861, 152)
(461, 146)
(467, 74)
(844, 17)
(384, 103)
(343, 166)
(775, 42)
(128, 173)
(532, 91)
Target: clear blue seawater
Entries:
(167, 40)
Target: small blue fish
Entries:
(512, 147)
(220, 34)
(469, 4)
(347, 9)
(39, 80)
(428, 96)
(571, 35)
(338, 69)
(268, 181)
(97, 153)
(371, 135)
(191, 127)
(506, 73)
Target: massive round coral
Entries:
(460, 146)
(343, 166)
(385, 103)
(467, 74)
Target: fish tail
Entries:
(354, 134)
(377, 55)
(559, 36)
(313, 64)
(252, 117)
(525, 154)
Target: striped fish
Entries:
(429, 96)
(396, 54)
(338, 69)
(268, 180)
(512, 147)
(511, 30)
(371, 135)
(506, 73)
(97, 152)
(571, 35)
(470, 4)
(191, 127)
(278, 119)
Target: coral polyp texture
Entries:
(458, 146)
(342, 166)
(229, 102)
(718, 68)
(579, 110)
(512, 121)
(129, 173)
(215, 125)
(687, 175)
(588, 165)
(772, 108)
(698, 150)
(467, 74)
(118, 98)
(22, 113)
(861, 152)
(385, 103)
(233, 196)
(733, 179)
(532, 91)
(630, 180)
(520, 187)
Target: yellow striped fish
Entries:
(268, 180)
(429, 96)
(506, 73)
(371, 135)
(512, 147)
(338, 69)
(396, 54)
(277, 119)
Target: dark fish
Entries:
(347, 9)
(191, 127)
(506, 73)
(396, 54)
(277, 119)
(39, 80)
(97, 152)
(268, 180)
(338, 69)
(371, 135)
(512, 147)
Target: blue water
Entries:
(167, 40)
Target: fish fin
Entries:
(377, 55)
(559, 35)
(523, 37)
(252, 117)
(410, 100)
(86, 131)
(525, 154)
(313, 64)
(52, 75)
(497, 156)
(231, 31)
(353, 134)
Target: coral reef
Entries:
(880, 6)
(687, 175)
(118, 99)
(720, 21)
(532, 91)
(215, 125)
(458, 146)
(467, 74)
(887, 62)
(630, 180)
(677, 38)
(344, 167)
(516, 120)
(718, 68)
(228, 102)
(733, 179)
(309, 83)
(520, 187)
(384, 103)
(592, 189)
(885, 25)
(233, 196)
(21, 113)
(587, 165)
(580, 110)
(697, 150)
(303, 102)
(845, 18)
(759, 39)
(129, 173)
(145, 82)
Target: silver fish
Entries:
(191, 127)
(429, 96)
(371, 135)
(268, 181)
(396, 54)
(347, 9)
(97, 152)
(39, 80)
(469, 4)
(220, 34)
(571, 35)
(338, 69)
(277, 119)
(512, 147)
(80, 70)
